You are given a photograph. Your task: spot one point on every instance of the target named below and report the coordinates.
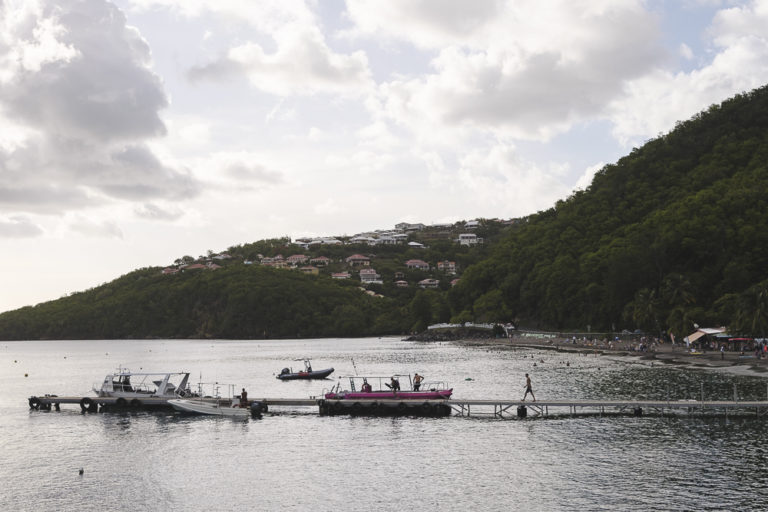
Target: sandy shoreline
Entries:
(733, 362)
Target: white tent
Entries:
(703, 332)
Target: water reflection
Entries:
(197, 463)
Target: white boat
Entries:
(213, 404)
(211, 408)
(130, 385)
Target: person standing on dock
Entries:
(528, 388)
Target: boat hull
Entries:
(208, 408)
(319, 374)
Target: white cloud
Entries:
(243, 168)
(77, 86)
(653, 103)
(585, 180)
(685, 51)
(522, 69)
(95, 229)
(501, 181)
(19, 227)
(288, 53)
(153, 211)
(302, 64)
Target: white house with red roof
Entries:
(358, 260)
(369, 276)
(417, 264)
(296, 259)
(320, 261)
(449, 267)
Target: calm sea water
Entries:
(297, 460)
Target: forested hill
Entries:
(673, 234)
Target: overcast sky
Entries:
(134, 132)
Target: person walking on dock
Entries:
(528, 388)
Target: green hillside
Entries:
(673, 234)
(250, 300)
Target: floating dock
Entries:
(438, 408)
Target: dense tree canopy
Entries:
(672, 234)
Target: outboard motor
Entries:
(285, 370)
(258, 408)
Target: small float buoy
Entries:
(468, 378)
(26, 375)
(15, 361)
(81, 471)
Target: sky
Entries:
(134, 132)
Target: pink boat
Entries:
(383, 388)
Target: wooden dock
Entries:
(519, 408)
(466, 408)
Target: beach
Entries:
(732, 362)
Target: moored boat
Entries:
(214, 408)
(398, 387)
(307, 374)
(233, 406)
(131, 385)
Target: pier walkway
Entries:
(493, 408)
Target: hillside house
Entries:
(358, 260)
(194, 266)
(367, 240)
(406, 227)
(429, 283)
(340, 275)
(170, 270)
(320, 261)
(417, 264)
(449, 267)
(296, 259)
(469, 239)
(401, 284)
(369, 276)
(454, 282)
(309, 270)
(415, 245)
